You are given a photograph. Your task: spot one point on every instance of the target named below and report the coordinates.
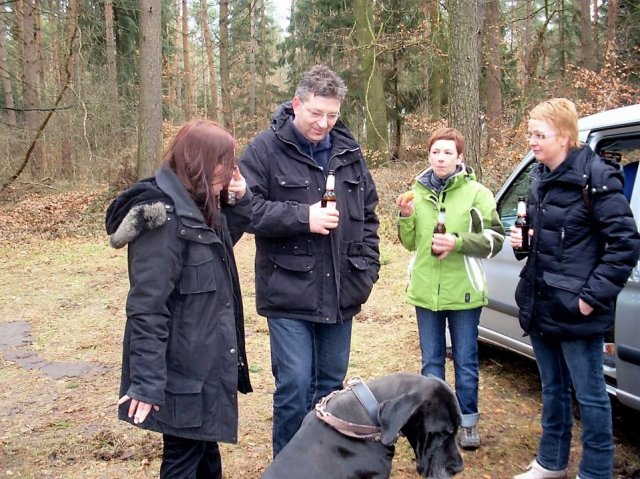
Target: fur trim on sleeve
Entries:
(140, 218)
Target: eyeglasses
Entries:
(537, 136)
(318, 115)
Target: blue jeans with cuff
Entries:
(577, 363)
(463, 328)
(308, 361)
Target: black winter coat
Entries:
(584, 246)
(184, 337)
(299, 274)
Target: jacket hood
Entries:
(140, 208)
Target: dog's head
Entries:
(429, 416)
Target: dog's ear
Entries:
(394, 414)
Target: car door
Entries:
(499, 320)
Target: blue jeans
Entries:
(576, 362)
(463, 328)
(308, 361)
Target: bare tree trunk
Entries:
(586, 35)
(597, 47)
(397, 123)
(525, 52)
(464, 110)
(20, 27)
(150, 112)
(493, 69)
(253, 45)
(30, 81)
(374, 101)
(225, 83)
(112, 77)
(54, 56)
(175, 89)
(435, 75)
(263, 96)
(5, 73)
(72, 22)
(37, 36)
(562, 62)
(209, 47)
(612, 14)
(188, 74)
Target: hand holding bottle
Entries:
(322, 220)
(442, 244)
(236, 188)
(516, 237)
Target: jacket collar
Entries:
(575, 169)
(462, 175)
(184, 205)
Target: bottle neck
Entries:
(331, 182)
(441, 217)
(522, 209)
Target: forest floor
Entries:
(62, 294)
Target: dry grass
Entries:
(72, 291)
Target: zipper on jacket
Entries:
(561, 248)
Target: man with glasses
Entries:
(315, 266)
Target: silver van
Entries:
(615, 134)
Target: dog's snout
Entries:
(456, 466)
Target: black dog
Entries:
(423, 409)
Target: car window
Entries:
(509, 200)
(626, 151)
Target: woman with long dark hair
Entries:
(183, 353)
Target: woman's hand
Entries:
(138, 410)
(405, 203)
(585, 308)
(443, 244)
(516, 236)
(237, 185)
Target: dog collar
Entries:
(359, 431)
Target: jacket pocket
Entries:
(524, 300)
(353, 197)
(293, 188)
(356, 281)
(184, 401)
(561, 295)
(198, 269)
(292, 284)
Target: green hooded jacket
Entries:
(458, 281)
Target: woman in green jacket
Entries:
(447, 279)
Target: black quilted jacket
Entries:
(583, 247)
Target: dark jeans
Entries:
(190, 459)
(576, 362)
(308, 361)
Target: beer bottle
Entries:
(439, 228)
(522, 222)
(329, 197)
(229, 197)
